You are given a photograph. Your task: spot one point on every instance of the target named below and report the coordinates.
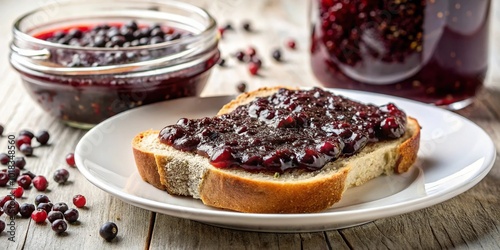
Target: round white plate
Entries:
(454, 155)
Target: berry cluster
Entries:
(249, 55)
(58, 214)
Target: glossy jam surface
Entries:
(290, 129)
(431, 51)
(85, 99)
(110, 35)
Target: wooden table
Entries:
(470, 220)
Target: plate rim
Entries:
(366, 214)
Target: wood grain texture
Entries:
(469, 221)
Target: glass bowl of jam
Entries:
(83, 62)
(433, 51)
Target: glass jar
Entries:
(83, 85)
(433, 51)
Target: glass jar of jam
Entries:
(86, 61)
(433, 51)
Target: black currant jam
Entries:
(290, 129)
(93, 60)
(91, 99)
(433, 51)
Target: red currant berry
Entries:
(39, 215)
(221, 31)
(40, 183)
(23, 139)
(79, 200)
(291, 44)
(70, 159)
(17, 192)
(253, 68)
(251, 51)
(4, 199)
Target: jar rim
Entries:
(205, 36)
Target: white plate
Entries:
(455, 154)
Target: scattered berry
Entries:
(55, 215)
(228, 26)
(240, 55)
(17, 192)
(61, 176)
(40, 183)
(41, 198)
(291, 44)
(71, 215)
(2, 226)
(221, 31)
(24, 181)
(256, 60)
(14, 173)
(4, 158)
(251, 51)
(23, 139)
(221, 62)
(247, 26)
(108, 231)
(59, 226)
(242, 87)
(26, 210)
(19, 162)
(26, 133)
(4, 179)
(30, 174)
(39, 215)
(47, 206)
(26, 149)
(277, 55)
(4, 199)
(42, 137)
(70, 159)
(60, 206)
(253, 68)
(79, 200)
(11, 208)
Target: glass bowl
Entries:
(83, 85)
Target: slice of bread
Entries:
(297, 191)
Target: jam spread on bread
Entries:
(291, 129)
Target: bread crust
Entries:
(408, 150)
(145, 160)
(225, 190)
(228, 190)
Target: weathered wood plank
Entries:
(176, 233)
